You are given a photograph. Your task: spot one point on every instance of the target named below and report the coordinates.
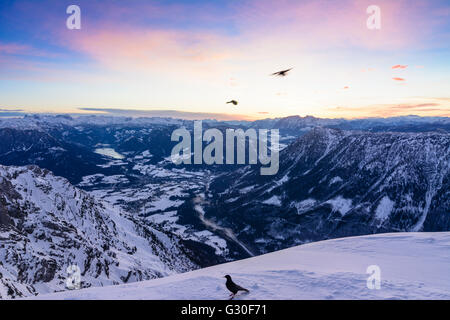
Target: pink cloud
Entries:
(145, 50)
(398, 79)
(399, 66)
(416, 106)
(392, 110)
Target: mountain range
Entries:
(335, 183)
(101, 193)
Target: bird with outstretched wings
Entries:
(282, 73)
(233, 102)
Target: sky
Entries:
(193, 56)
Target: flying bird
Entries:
(233, 287)
(282, 73)
(233, 102)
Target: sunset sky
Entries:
(194, 56)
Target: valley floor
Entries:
(413, 266)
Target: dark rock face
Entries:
(334, 183)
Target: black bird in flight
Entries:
(233, 102)
(233, 287)
(282, 73)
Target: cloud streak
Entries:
(393, 110)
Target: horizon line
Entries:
(183, 115)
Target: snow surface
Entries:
(109, 152)
(341, 205)
(335, 180)
(274, 200)
(384, 209)
(413, 266)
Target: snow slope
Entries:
(47, 225)
(413, 266)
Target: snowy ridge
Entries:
(413, 266)
(46, 225)
(42, 121)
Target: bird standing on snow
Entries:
(233, 287)
(233, 102)
(282, 73)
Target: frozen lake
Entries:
(109, 152)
